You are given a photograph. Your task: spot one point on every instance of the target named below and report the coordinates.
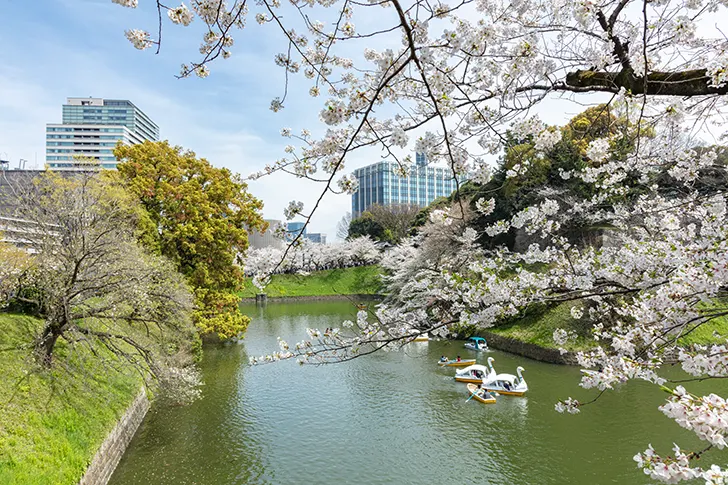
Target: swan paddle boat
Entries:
(476, 343)
(486, 397)
(422, 338)
(473, 373)
(455, 363)
(506, 384)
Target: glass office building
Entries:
(316, 237)
(379, 184)
(91, 128)
(293, 229)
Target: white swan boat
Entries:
(506, 384)
(474, 374)
(476, 343)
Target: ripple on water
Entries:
(392, 418)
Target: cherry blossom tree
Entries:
(459, 82)
(308, 256)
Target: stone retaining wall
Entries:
(532, 351)
(112, 449)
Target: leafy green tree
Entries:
(512, 194)
(395, 219)
(199, 217)
(94, 285)
(365, 225)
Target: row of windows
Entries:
(74, 129)
(84, 137)
(72, 118)
(80, 150)
(71, 165)
(92, 109)
(404, 188)
(70, 159)
(401, 181)
(416, 171)
(79, 143)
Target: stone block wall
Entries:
(112, 449)
(529, 350)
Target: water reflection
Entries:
(388, 418)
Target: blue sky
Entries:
(73, 48)
(77, 48)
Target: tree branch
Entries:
(679, 83)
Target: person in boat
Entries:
(458, 358)
(507, 385)
(443, 359)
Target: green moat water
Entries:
(390, 418)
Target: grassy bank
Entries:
(715, 331)
(538, 328)
(362, 280)
(52, 422)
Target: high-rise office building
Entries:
(91, 128)
(316, 237)
(293, 229)
(380, 184)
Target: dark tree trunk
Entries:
(46, 343)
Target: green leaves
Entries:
(198, 216)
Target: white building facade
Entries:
(91, 128)
(257, 240)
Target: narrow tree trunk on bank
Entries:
(46, 343)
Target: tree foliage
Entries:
(198, 216)
(365, 225)
(93, 283)
(15, 264)
(395, 219)
(389, 223)
(527, 175)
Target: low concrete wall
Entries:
(529, 350)
(112, 449)
(288, 299)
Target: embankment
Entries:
(53, 422)
(526, 349)
(336, 283)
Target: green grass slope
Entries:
(52, 422)
(537, 327)
(713, 332)
(361, 280)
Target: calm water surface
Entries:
(391, 418)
